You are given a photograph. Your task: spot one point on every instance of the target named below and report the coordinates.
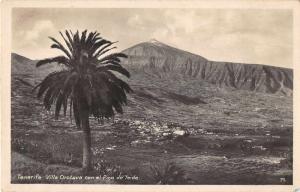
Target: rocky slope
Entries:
(160, 60)
(21, 65)
(24, 70)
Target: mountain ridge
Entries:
(161, 60)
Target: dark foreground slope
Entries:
(160, 60)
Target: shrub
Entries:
(169, 174)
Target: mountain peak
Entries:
(154, 41)
(155, 48)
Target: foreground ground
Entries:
(186, 132)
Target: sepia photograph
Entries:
(151, 96)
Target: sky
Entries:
(258, 36)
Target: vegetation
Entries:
(86, 83)
(169, 173)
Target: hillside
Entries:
(230, 135)
(24, 70)
(21, 64)
(160, 60)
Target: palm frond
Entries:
(59, 46)
(114, 56)
(48, 81)
(68, 42)
(116, 68)
(104, 51)
(98, 45)
(121, 83)
(70, 38)
(58, 60)
(100, 51)
(111, 62)
(83, 36)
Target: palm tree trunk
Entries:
(77, 119)
(86, 152)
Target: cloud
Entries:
(32, 38)
(248, 36)
(237, 35)
(181, 20)
(160, 33)
(40, 28)
(135, 20)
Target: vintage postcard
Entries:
(149, 95)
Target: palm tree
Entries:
(86, 83)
